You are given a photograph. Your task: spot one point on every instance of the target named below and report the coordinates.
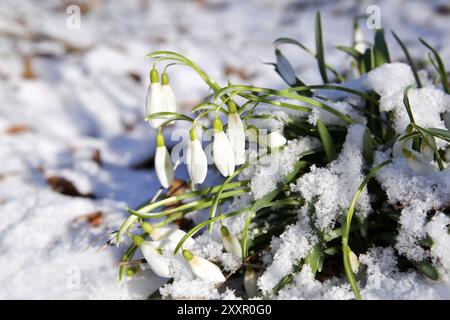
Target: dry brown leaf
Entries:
(65, 187)
(95, 218)
(17, 128)
(28, 72)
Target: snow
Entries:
(332, 188)
(293, 244)
(269, 172)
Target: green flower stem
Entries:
(348, 221)
(198, 193)
(197, 204)
(199, 226)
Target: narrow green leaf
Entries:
(319, 48)
(407, 104)
(325, 137)
(291, 41)
(440, 65)
(352, 52)
(380, 49)
(409, 59)
(368, 146)
(315, 259)
(347, 226)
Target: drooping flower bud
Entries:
(167, 94)
(163, 162)
(354, 262)
(196, 161)
(157, 262)
(230, 242)
(223, 154)
(418, 163)
(285, 69)
(236, 133)
(203, 269)
(250, 282)
(166, 233)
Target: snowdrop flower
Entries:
(236, 133)
(223, 154)
(250, 282)
(150, 250)
(168, 96)
(196, 161)
(354, 262)
(418, 163)
(399, 145)
(285, 69)
(230, 242)
(166, 233)
(154, 101)
(275, 140)
(203, 269)
(163, 163)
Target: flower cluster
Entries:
(229, 148)
(332, 197)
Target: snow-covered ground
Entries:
(72, 137)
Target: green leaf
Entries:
(203, 224)
(347, 226)
(380, 49)
(427, 269)
(368, 146)
(440, 65)
(286, 93)
(319, 48)
(291, 41)
(409, 59)
(352, 52)
(406, 103)
(325, 137)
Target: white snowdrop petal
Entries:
(196, 161)
(236, 136)
(206, 270)
(155, 103)
(158, 263)
(223, 154)
(164, 166)
(169, 98)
